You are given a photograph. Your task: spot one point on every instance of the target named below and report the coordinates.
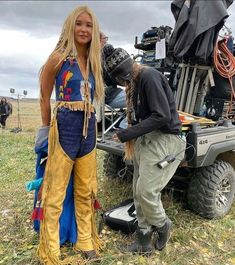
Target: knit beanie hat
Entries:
(118, 64)
(107, 50)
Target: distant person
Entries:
(153, 134)
(103, 39)
(5, 111)
(74, 68)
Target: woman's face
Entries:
(83, 29)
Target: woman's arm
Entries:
(48, 76)
(159, 110)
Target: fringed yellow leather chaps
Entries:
(85, 187)
(57, 175)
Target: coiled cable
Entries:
(224, 62)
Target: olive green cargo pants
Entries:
(149, 179)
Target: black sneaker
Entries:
(163, 235)
(142, 244)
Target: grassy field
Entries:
(194, 240)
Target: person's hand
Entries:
(115, 138)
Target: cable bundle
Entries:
(224, 62)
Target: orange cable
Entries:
(224, 62)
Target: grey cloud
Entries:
(120, 20)
(19, 65)
(19, 83)
(19, 73)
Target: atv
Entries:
(207, 174)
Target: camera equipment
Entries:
(166, 161)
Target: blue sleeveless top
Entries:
(69, 83)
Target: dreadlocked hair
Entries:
(130, 94)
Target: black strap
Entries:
(131, 210)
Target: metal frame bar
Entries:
(190, 92)
(179, 87)
(112, 120)
(182, 98)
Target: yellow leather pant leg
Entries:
(56, 178)
(85, 187)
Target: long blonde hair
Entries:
(66, 46)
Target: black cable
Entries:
(194, 152)
(171, 158)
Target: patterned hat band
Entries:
(119, 65)
(116, 58)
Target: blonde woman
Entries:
(74, 69)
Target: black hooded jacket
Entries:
(154, 106)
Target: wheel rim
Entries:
(223, 193)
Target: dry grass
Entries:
(29, 115)
(195, 240)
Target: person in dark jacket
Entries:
(153, 134)
(5, 111)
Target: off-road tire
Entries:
(114, 166)
(211, 190)
(111, 164)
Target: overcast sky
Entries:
(29, 31)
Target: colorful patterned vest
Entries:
(69, 84)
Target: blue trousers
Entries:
(119, 101)
(70, 127)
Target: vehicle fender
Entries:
(215, 150)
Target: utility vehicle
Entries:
(207, 173)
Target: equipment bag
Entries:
(122, 217)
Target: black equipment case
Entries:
(122, 217)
